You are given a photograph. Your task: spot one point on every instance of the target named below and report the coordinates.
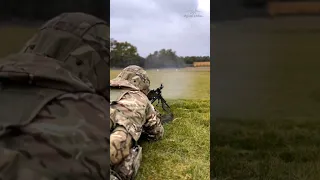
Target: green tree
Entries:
(123, 54)
(165, 58)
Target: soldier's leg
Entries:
(129, 167)
(120, 145)
(125, 159)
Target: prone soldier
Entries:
(132, 115)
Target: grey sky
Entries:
(151, 25)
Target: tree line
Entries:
(42, 10)
(124, 54)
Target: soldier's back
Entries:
(49, 133)
(64, 140)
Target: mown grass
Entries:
(266, 100)
(185, 83)
(266, 149)
(184, 152)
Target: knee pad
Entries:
(129, 167)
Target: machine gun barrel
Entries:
(157, 95)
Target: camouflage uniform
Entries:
(54, 103)
(131, 115)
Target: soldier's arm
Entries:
(153, 127)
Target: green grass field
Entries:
(187, 83)
(266, 149)
(184, 153)
(266, 100)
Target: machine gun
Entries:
(156, 95)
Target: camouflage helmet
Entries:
(80, 43)
(136, 76)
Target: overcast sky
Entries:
(151, 25)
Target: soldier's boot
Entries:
(112, 177)
(129, 167)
